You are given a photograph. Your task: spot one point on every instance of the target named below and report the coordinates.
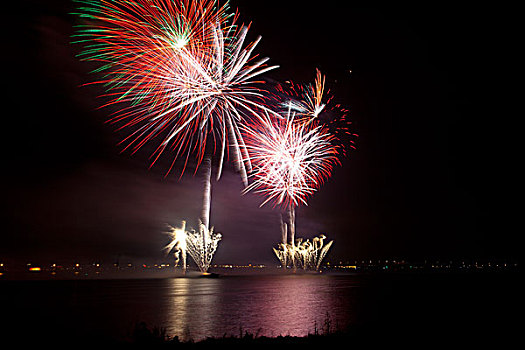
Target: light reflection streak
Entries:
(264, 305)
(192, 308)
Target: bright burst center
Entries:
(180, 42)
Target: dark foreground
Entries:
(416, 310)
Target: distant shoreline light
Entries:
(97, 268)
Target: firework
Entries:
(290, 159)
(202, 246)
(293, 156)
(178, 73)
(311, 102)
(178, 244)
(306, 255)
(307, 101)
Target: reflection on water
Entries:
(426, 305)
(271, 305)
(193, 308)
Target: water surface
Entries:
(271, 305)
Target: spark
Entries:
(202, 246)
(179, 73)
(178, 244)
(293, 156)
(309, 102)
(306, 255)
(314, 102)
(290, 159)
(180, 42)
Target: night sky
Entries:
(427, 94)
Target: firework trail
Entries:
(179, 76)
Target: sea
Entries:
(411, 307)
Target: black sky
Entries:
(427, 94)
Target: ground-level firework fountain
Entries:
(178, 244)
(201, 245)
(299, 253)
(306, 255)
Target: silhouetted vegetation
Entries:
(142, 335)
